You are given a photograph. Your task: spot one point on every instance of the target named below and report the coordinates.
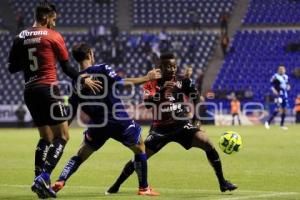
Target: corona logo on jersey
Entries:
(27, 33)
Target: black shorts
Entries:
(182, 134)
(45, 109)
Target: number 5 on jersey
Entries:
(33, 58)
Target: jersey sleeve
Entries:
(151, 94)
(111, 73)
(60, 48)
(148, 90)
(73, 101)
(14, 60)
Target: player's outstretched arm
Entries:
(151, 75)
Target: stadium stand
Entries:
(73, 13)
(134, 55)
(179, 12)
(277, 12)
(254, 57)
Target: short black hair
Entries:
(44, 9)
(81, 52)
(167, 56)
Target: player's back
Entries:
(104, 105)
(36, 51)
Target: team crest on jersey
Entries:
(179, 84)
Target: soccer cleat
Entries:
(112, 190)
(267, 125)
(39, 192)
(58, 185)
(148, 191)
(284, 128)
(42, 188)
(227, 186)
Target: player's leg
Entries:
(274, 114)
(41, 151)
(283, 111)
(282, 121)
(127, 171)
(297, 117)
(200, 140)
(153, 143)
(92, 141)
(60, 138)
(72, 165)
(141, 168)
(42, 183)
(39, 101)
(232, 123)
(239, 119)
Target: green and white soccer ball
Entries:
(230, 142)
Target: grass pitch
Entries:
(267, 167)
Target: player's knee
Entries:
(66, 136)
(138, 148)
(202, 141)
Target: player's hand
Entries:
(154, 74)
(169, 85)
(197, 123)
(91, 84)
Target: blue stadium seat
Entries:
(255, 58)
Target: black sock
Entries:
(282, 119)
(214, 159)
(127, 171)
(55, 151)
(40, 156)
(70, 168)
(272, 117)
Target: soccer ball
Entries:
(230, 142)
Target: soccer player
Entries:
(118, 125)
(35, 52)
(166, 96)
(280, 88)
(235, 106)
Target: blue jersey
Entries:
(108, 108)
(280, 83)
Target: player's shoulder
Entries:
(54, 33)
(99, 67)
(102, 68)
(150, 84)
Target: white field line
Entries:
(272, 193)
(275, 194)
